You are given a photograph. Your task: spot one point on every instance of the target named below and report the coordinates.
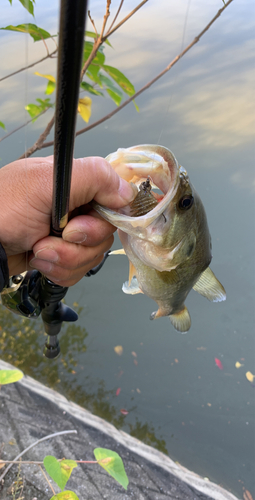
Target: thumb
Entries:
(94, 178)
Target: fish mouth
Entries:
(136, 164)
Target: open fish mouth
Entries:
(136, 164)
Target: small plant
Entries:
(61, 470)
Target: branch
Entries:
(145, 87)
(29, 66)
(125, 19)
(34, 444)
(24, 124)
(38, 144)
(117, 13)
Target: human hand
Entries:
(25, 218)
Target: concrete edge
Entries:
(207, 487)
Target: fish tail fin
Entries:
(181, 320)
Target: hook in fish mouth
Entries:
(136, 164)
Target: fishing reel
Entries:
(30, 294)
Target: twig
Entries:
(38, 144)
(35, 444)
(105, 18)
(116, 15)
(24, 124)
(29, 66)
(145, 87)
(125, 19)
(50, 485)
(92, 22)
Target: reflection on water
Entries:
(176, 396)
(21, 344)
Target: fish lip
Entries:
(173, 166)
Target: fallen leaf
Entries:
(218, 363)
(2, 464)
(118, 391)
(249, 376)
(247, 495)
(118, 349)
(238, 365)
(123, 411)
(12, 442)
(134, 354)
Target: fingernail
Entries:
(127, 191)
(75, 237)
(41, 265)
(47, 254)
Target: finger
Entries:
(94, 178)
(87, 230)
(72, 278)
(65, 259)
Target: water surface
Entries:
(177, 399)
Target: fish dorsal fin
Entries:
(210, 287)
(131, 288)
(181, 320)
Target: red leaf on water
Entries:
(118, 391)
(218, 363)
(124, 412)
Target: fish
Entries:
(168, 243)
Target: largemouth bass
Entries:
(165, 236)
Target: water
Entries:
(203, 110)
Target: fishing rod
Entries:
(31, 293)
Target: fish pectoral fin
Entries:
(131, 288)
(121, 251)
(210, 287)
(181, 320)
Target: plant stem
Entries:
(35, 444)
(29, 66)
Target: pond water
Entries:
(177, 398)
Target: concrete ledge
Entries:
(28, 401)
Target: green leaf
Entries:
(113, 91)
(33, 30)
(112, 463)
(2, 125)
(99, 57)
(91, 34)
(34, 110)
(65, 495)
(86, 86)
(28, 4)
(59, 471)
(92, 73)
(10, 376)
(120, 79)
(136, 107)
(50, 87)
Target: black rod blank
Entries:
(70, 51)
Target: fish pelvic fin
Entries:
(132, 272)
(181, 320)
(132, 287)
(210, 287)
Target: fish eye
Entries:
(186, 202)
